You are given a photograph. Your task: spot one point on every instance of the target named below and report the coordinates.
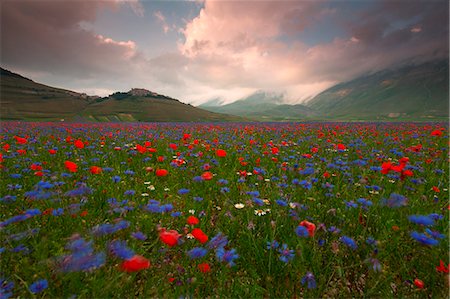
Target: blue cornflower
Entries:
(310, 280)
(175, 214)
(139, 236)
(364, 203)
(166, 208)
(116, 179)
(351, 204)
(334, 230)
(129, 192)
(395, 201)
(374, 264)
(38, 286)
(436, 216)
(129, 172)
(302, 231)
(286, 254)
(273, 245)
(197, 252)
(197, 198)
(434, 234)
(424, 239)
(258, 202)
(218, 241)
(183, 191)
(349, 242)
(224, 190)
(227, 256)
(58, 212)
(421, 220)
(371, 241)
(281, 202)
(119, 248)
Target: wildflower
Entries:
(311, 227)
(221, 153)
(78, 144)
(38, 286)
(218, 241)
(421, 220)
(192, 220)
(139, 236)
(161, 172)
(286, 254)
(95, 170)
(197, 252)
(423, 239)
(199, 235)
(239, 205)
(119, 248)
(302, 231)
(375, 264)
(183, 191)
(207, 176)
(309, 280)
(442, 268)
(419, 283)
(273, 245)
(169, 237)
(260, 212)
(227, 256)
(71, 166)
(204, 267)
(116, 179)
(395, 201)
(349, 242)
(135, 263)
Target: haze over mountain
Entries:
(24, 99)
(197, 51)
(404, 92)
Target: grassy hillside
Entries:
(411, 92)
(24, 99)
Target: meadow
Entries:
(238, 210)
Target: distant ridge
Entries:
(409, 92)
(24, 99)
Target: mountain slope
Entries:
(24, 99)
(143, 105)
(409, 92)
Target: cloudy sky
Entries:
(201, 50)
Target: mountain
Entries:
(24, 99)
(410, 92)
(144, 105)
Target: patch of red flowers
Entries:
(192, 220)
(161, 172)
(221, 153)
(170, 237)
(199, 235)
(134, 264)
(204, 268)
(311, 227)
(71, 166)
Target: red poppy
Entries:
(275, 150)
(173, 146)
(311, 227)
(436, 189)
(221, 153)
(21, 151)
(419, 283)
(96, 170)
(38, 173)
(192, 220)
(204, 267)
(161, 172)
(207, 176)
(20, 140)
(6, 147)
(442, 268)
(78, 144)
(84, 213)
(314, 150)
(199, 235)
(52, 151)
(71, 166)
(136, 263)
(161, 159)
(341, 147)
(35, 167)
(436, 133)
(169, 237)
(140, 148)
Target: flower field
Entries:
(224, 210)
